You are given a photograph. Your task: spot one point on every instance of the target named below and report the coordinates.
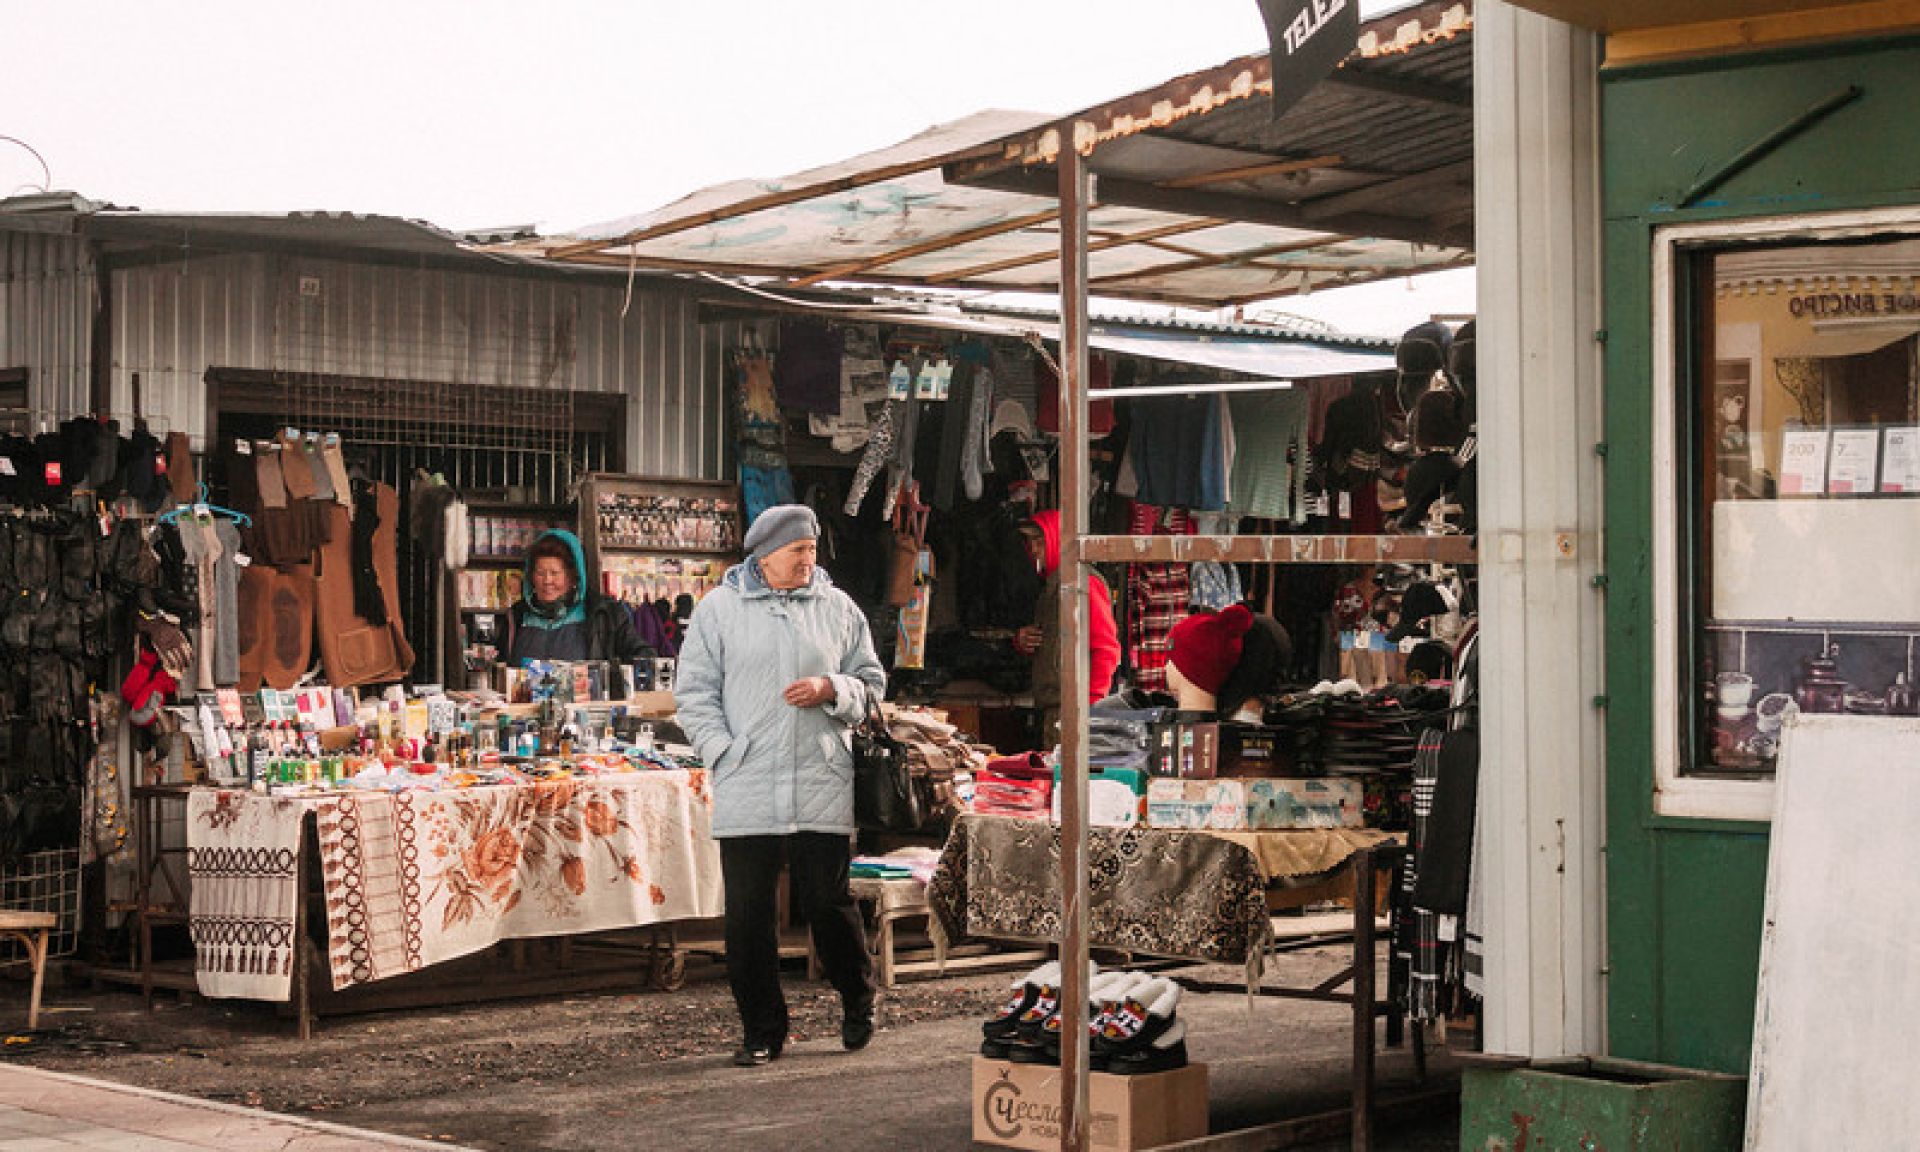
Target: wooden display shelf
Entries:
(601, 484)
(667, 550)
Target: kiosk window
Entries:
(1796, 488)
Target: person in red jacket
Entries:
(1040, 640)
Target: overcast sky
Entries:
(475, 113)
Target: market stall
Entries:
(1339, 502)
(417, 876)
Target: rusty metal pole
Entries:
(1076, 192)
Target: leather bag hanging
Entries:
(884, 796)
(909, 537)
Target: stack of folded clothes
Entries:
(1119, 736)
(910, 863)
(1014, 786)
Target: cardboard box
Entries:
(1217, 804)
(1252, 750)
(651, 703)
(1185, 750)
(1018, 1106)
(1322, 802)
(1110, 803)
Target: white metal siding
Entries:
(308, 315)
(46, 318)
(1537, 223)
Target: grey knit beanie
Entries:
(779, 526)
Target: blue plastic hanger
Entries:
(200, 505)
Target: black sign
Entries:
(1309, 38)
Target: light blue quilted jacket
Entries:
(776, 769)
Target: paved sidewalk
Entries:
(53, 1112)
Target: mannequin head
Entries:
(1190, 696)
(1204, 649)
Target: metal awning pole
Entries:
(1076, 193)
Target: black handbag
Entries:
(884, 796)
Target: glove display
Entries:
(167, 641)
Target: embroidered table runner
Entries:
(416, 878)
(243, 861)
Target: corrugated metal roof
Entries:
(1202, 197)
(1297, 328)
(1243, 351)
(121, 230)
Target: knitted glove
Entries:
(168, 642)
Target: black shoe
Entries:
(1020, 1053)
(753, 1054)
(855, 1031)
(1150, 1059)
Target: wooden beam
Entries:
(1254, 172)
(1246, 256)
(1464, 261)
(1361, 199)
(1233, 207)
(1675, 41)
(1180, 229)
(1280, 549)
(772, 200)
(842, 271)
(1176, 249)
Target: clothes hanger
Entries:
(200, 506)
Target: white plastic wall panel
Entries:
(46, 318)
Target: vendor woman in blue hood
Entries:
(560, 618)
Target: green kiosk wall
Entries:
(1685, 896)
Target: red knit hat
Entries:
(1206, 645)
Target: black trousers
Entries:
(817, 863)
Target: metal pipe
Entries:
(1759, 149)
(1363, 958)
(1076, 192)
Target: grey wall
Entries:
(300, 314)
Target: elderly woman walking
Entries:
(776, 668)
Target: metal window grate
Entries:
(531, 445)
(44, 882)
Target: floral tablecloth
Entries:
(416, 878)
(1193, 895)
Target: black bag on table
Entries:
(885, 798)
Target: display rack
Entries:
(658, 533)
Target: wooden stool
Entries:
(892, 900)
(30, 928)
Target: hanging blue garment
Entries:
(1178, 457)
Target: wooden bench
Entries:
(31, 929)
(894, 900)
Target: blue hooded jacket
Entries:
(588, 626)
(776, 769)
